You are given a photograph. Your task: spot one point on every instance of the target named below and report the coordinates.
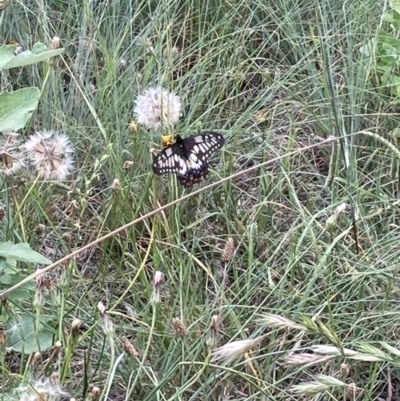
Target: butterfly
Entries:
(188, 157)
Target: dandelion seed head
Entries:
(157, 107)
(41, 389)
(50, 153)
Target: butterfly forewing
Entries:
(188, 158)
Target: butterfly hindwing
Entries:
(188, 158)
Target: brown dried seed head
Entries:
(2, 213)
(94, 394)
(129, 348)
(179, 327)
(215, 323)
(116, 185)
(228, 250)
(157, 283)
(38, 300)
(128, 165)
(108, 326)
(95, 390)
(55, 378)
(55, 43)
(351, 391)
(67, 237)
(40, 229)
(76, 325)
(36, 357)
(344, 370)
(3, 337)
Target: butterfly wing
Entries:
(198, 148)
(188, 158)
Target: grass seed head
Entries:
(229, 248)
(214, 331)
(108, 326)
(234, 349)
(157, 282)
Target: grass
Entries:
(276, 79)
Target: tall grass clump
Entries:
(275, 278)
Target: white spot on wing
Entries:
(197, 166)
(182, 167)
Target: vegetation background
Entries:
(271, 255)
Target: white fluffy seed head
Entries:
(157, 107)
(50, 153)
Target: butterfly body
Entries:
(188, 158)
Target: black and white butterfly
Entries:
(188, 158)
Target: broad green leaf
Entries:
(39, 48)
(17, 107)
(4, 317)
(22, 252)
(27, 57)
(22, 293)
(24, 337)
